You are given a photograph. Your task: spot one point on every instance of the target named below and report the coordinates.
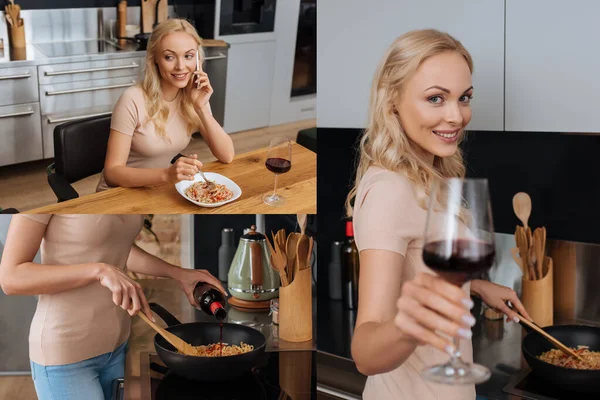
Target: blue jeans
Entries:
(89, 379)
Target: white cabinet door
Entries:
(250, 71)
(552, 64)
(353, 36)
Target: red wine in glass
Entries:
(459, 243)
(459, 260)
(278, 161)
(278, 165)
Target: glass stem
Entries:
(455, 358)
(275, 188)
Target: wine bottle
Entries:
(211, 300)
(350, 269)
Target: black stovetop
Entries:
(526, 386)
(262, 383)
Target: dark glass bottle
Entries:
(211, 300)
(350, 269)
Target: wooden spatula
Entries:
(550, 338)
(176, 341)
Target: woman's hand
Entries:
(429, 304)
(126, 293)
(188, 278)
(183, 169)
(495, 296)
(199, 89)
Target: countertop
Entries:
(166, 292)
(31, 55)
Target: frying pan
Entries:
(203, 333)
(576, 380)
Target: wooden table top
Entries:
(248, 171)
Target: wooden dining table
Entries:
(248, 171)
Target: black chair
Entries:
(308, 139)
(9, 211)
(79, 152)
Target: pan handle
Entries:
(166, 316)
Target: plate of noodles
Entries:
(222, 191)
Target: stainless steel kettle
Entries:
(250, 274)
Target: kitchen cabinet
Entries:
(284, 107)
(250, 72)
(552, 65)
(352, 42)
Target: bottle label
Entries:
(215, 306)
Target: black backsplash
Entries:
(207, 233)
(557, 170)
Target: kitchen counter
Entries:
(166, 292)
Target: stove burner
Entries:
(527, 386)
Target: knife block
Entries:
(537, 296)
(295, 308)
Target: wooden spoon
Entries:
(302, 222)
(176, 341)
(522, 207)
(301, 251)
(550, 338)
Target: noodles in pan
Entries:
(557, 357)
(204, 192)
(214, 350)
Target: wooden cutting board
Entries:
(148, 13)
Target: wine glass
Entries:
(279, 161)
(458, 244)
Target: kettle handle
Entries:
(256, 265)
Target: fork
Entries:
(211, 185)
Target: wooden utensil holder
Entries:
(16, 36)
(537, 296)
(295, 308)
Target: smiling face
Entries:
(176, 58)
(435, 105)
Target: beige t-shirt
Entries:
(387, 216)
(148, 149)
(81, 323)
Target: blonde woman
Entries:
(407, 315)
(78, 336)
(154, 121)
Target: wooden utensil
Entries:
(291, 246)
(176, 341)
(302, 222)
(301, 253)
(278, 260)
(522, 207)
(147, 18)
(309, 255)
(515, 255)
(550, 338)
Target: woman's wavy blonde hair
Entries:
(384, 143)
(158, 111)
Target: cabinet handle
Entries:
(67, 119)
(19, 76)
(89, 89)
(83, 71)
(219, 57)
(17, 114)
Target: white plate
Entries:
(216, 178)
